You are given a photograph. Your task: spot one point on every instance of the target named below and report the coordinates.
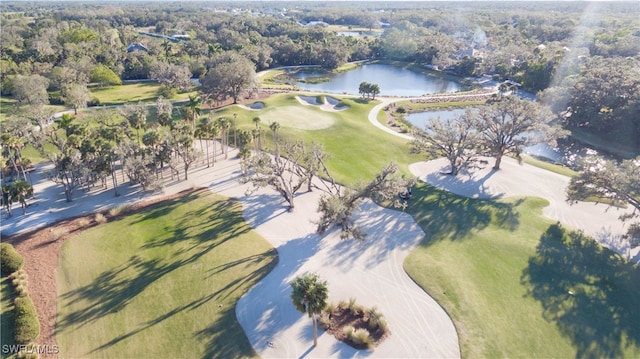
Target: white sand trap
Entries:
(254, 106)
(330, 103)
(527, 180)
(371, 272)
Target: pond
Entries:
(568, 151)
(393, 81)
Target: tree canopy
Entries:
(229, 76)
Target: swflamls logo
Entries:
(30, 349)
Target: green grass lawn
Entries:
(162, 282)
(146, 91)
(506, 276)
(6, 316)
(358, 149)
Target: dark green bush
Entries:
(55, 100)
(167, 92)
(27, 326)
(10, 259)
(94, 102)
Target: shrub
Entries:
(401, 110)
(27, 326)
(115, 211)
(383, 326)
(100, 218)
(361, 336)
(330, 308)
(10, 259)
(374, 318)
(58, 233)
(354, 308)
(342, 304)
(325, 321)
(348, 331)
(29, 352)
(83, 222)
(94, 102)
(167, 92)
(21, 290)
(55, 100)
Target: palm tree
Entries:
(193, 109)
(167, 47)
(224, 124)
(22, 190)
(309, 295)
(256, 121)
(213, 130)
(235, 130)
(275, 126)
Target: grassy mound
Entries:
(517, 285)
(162, 282)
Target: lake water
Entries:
(393, 81)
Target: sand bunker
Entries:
(258, 105)
(330, 103)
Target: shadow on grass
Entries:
(7, 319)
(591, 293)
(223, 335)
(444, 215)
(114, 289)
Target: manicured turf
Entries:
(517, 285)
(161, 283)
(146, 91)
(358, 149)
(6, 317)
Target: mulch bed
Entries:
(342, 317)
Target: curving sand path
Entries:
(371, 272)
(527, 180)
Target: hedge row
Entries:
(27, 326)
(10, 259)
(26, 323)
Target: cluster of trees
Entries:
(368, 90)
(611, 181)
(504, 127)
(602, 99)
(64, 49)
(109, 146)
(295, 165)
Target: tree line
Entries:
(538, 47)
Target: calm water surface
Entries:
(393, 81)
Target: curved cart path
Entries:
(527, 180)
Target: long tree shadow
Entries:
(591, 293)
(444, 215)
(115, 288)
(227, 325)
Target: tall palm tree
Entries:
(275, 126)
(224, 124)
(193, 109)
(167, 47)
(258, 134)
(214, 132)
(309, 295)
